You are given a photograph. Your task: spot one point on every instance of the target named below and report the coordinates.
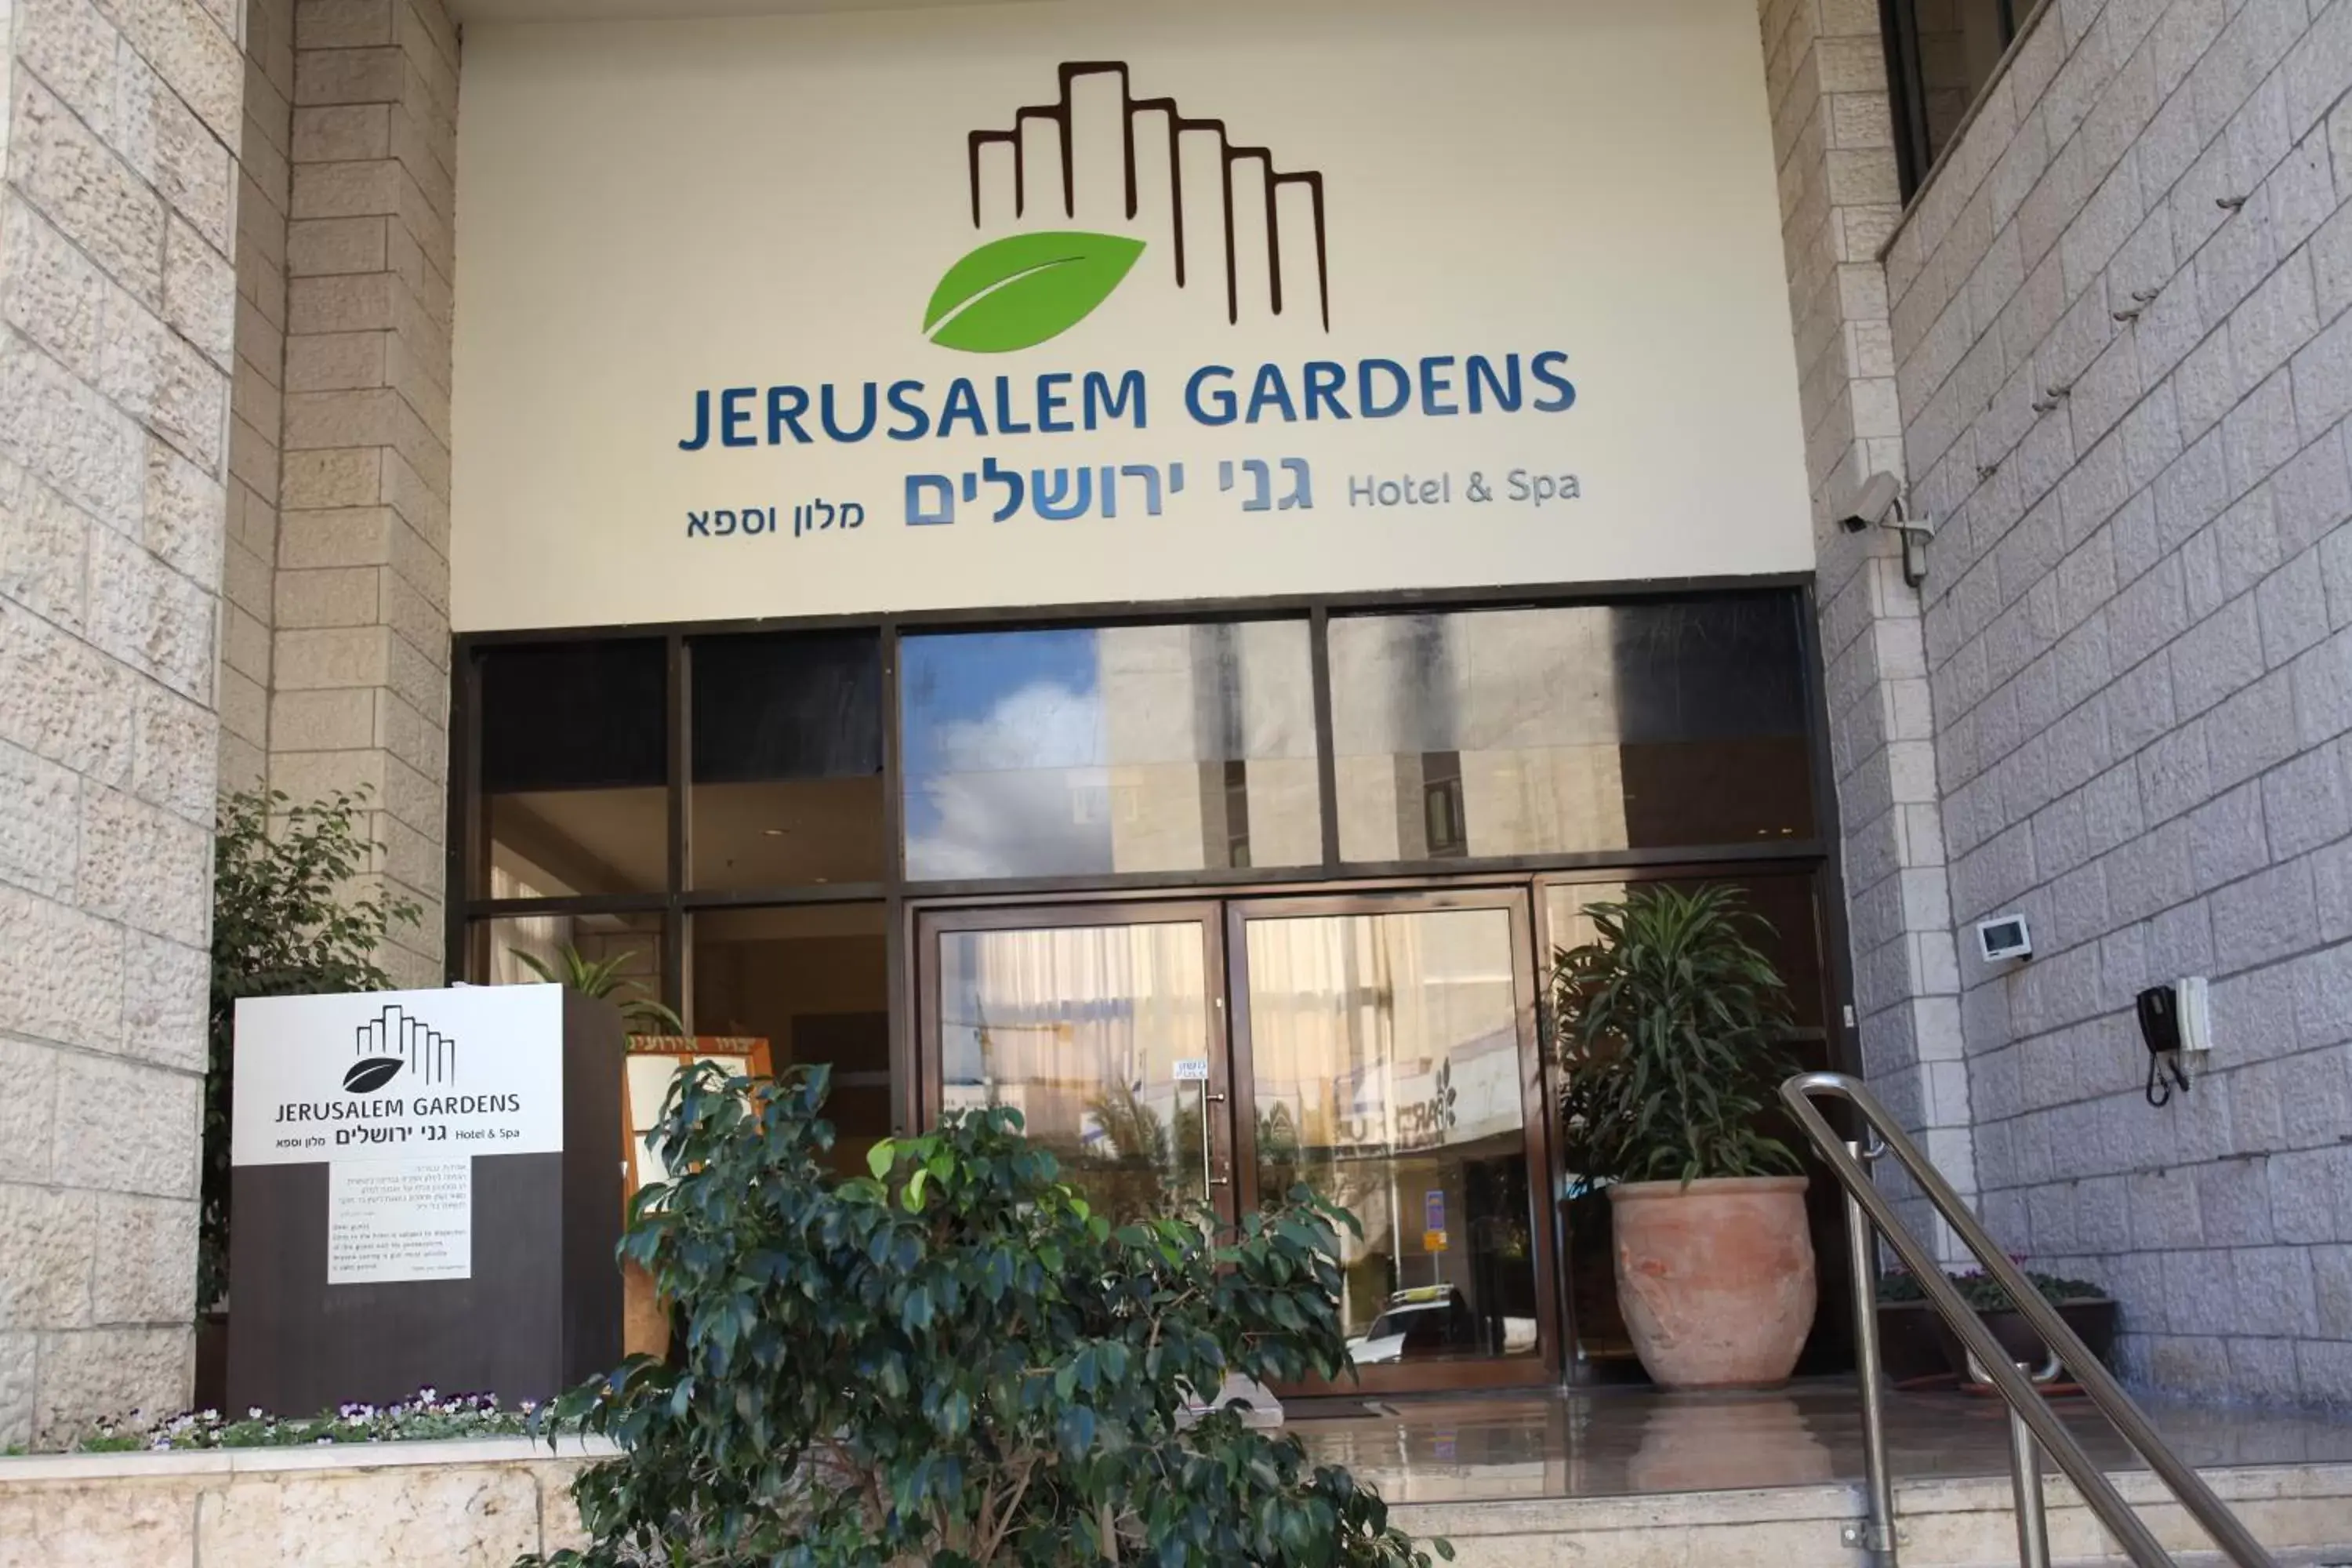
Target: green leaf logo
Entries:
(1018, 291)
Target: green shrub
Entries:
(282, 926)
(954, 1361)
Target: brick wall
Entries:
(117, 323)
(2124, 364)
(1834, 141)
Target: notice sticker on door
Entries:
(390, 1220)
(1192, 1070)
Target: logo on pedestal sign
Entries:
(367, 1086)
(394, 1041)
(336, 1077)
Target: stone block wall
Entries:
(2124, 362)
(225, 253)
(359, 670)
(1833, 137)
(118, 313)
(256, 396)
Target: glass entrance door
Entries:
(1386, 1050)
(1102, 1027)
(1380, 1050)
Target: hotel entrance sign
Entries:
(427, 1189)
(1028, 305)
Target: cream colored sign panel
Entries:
(1059, 304)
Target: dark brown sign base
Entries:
(541, 1313)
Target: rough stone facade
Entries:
(257, 398)
(225, 253)
(360, 673)
(1832, 139)
(2125, 364)
(117, 327)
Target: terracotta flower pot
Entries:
(1716, 1278)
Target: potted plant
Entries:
(2087, 1308)
(1667, 1025)
(604, 978)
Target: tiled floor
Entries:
(1621, 1441)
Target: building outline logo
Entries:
(1020, 290)
(393, 1041)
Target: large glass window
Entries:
(574, 750)
(1509, 732)
(714, 808)
(812, 981)
(1093, 750)
(787, 747)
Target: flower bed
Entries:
(426, 1416)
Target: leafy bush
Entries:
(282, 926)
(1666, 1028)
(954, 1361)
(426, 1417)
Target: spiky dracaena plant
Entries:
(1667, 1026)
(603, 977)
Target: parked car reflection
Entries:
(1434, 1321)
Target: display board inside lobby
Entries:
(1039, 304)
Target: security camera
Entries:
(1881, 499)
(1880, 505)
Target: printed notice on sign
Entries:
(388, 1220)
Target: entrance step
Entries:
(2302, 1512)
(2329, 1557)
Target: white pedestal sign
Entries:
(397, 1091)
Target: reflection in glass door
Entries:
(1386, 1052)
(1102, 1032)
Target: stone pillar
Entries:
(117, 323)
(257, 397)
(1833, 135)
(360, 671)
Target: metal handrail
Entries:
(2016, 1387)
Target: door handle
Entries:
(1207, 1181)
(1209, 1099)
